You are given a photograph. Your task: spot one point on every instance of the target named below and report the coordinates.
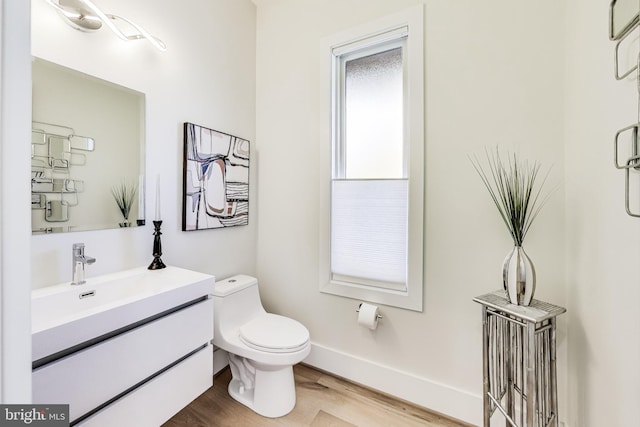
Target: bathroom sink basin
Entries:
(65, 315)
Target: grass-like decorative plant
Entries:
(512, 186)
(124, 194)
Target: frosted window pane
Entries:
(369, 229)
(374, 116)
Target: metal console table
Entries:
(519, 361)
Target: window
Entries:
(371, 237)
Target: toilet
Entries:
(262, 347)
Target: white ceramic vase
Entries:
(519, 277)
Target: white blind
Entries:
(369, 230)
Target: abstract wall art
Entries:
(215, 180)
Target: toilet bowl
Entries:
(262, 347)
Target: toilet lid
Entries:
(274, 334)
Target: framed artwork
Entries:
(215, 184)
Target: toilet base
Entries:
(270, 392)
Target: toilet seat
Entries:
(274, 334)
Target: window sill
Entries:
(393, 298)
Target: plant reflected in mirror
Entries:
(124, 194)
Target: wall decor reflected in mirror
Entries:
(215, 179)
(623, 17)
(87, 152)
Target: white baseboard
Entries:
(438, 397)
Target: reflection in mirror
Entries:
(623, 17)
(87, 138)
(82, 143)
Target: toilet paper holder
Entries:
(358, 311)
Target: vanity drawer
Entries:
(161, 398)
(89, 378)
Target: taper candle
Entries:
(158, 216)
(141, 197)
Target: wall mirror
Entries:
(87, 152)
(623, 17)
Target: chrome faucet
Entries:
(78, 263)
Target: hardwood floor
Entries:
(322, 401)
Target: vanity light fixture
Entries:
(84, 15)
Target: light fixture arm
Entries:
(76, 16)
(159, 44)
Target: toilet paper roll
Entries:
(368, 316)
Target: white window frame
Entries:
(410, 21)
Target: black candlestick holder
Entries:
(157, 263)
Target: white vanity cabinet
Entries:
(140, 373)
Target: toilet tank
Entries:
(231, 285)
(236, 300)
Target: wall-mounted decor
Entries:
(215, 180)
(624, 19)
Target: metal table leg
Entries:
(485, 369)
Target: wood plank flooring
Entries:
(322, 401)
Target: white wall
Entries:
(602, 241)
(493, 76)
(206, 76)
(15, 115)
